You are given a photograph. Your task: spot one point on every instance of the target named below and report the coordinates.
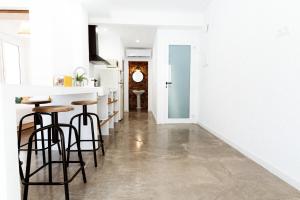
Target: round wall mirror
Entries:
(138, 76)
(79, 71)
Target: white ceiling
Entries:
(103, 8)
(130, 33)
(146, 34)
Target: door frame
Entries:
(126, 82)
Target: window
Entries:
(11, 63)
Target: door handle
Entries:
(168, 83)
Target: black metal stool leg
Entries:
(27, 174)
(49, 155)
(55, 139)
(84, 111)
(79, 127)
(59, 148)
(35, 137)
(69, 143)
(100, 133)
(64, 161)
(93, 138)
(70, 138)
(43, 147)
(21, 170)
(80, 154)
(42, 137)
(38, 120)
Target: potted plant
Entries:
(79, 79)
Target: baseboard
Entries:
(289, 180)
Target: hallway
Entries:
(147, 161)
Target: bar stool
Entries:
(55, 135)
(86, 115)
(37, 120)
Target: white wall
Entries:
(126, 82)
(110, 45)
(10, 186)
(164, 38)
(59, 39)
(110, 48)
(250, 88)
(3, 170)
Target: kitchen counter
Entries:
(9, 182)
(48, 91)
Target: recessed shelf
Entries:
(109, 118)
(109, 109)
(104, 122)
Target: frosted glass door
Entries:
(179, 81)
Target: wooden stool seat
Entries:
(53, 109)
(37, 102)
(84, 103)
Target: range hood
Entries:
(93, 47)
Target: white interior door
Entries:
(180, 95)
(179, 82)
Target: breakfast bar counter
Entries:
(9, 181)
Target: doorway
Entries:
(138, 86)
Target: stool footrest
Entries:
(53, 183)
(85, 150)
(40, 149)
(46, 164)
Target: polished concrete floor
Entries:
(146, 161)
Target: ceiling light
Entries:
(137, 41)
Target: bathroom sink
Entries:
(138, 92)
